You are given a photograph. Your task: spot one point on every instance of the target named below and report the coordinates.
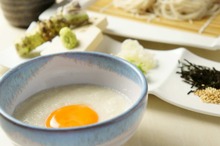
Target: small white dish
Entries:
(166, 84)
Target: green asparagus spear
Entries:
(46, 30)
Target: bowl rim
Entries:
(131, 109)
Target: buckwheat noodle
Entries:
(185, 9)
(171, 9)
(134, 6)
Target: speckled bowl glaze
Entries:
(21, 13)
(49, 71)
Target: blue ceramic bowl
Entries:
(72, 68)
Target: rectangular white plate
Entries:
(150, 32)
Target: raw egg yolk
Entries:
(71, 116)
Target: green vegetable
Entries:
(68, 38)
(28, 43)
(133, 52)
(47, 29)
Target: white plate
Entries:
(132, 29)
(137, 30)
(166, 84)
(163, 81)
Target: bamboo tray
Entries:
(195, 29)
(213, 29)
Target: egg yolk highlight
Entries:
(71, 116)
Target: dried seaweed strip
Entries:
(199, 76)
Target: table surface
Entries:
(163, 124)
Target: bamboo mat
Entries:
(213, 29)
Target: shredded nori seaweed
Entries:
(198, 76)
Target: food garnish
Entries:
(70, 15)
(209, 95)
(205, 80)
(133, 52)
(68, 38)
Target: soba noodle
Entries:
(134, 6)
(184, 9)
(171, 9)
